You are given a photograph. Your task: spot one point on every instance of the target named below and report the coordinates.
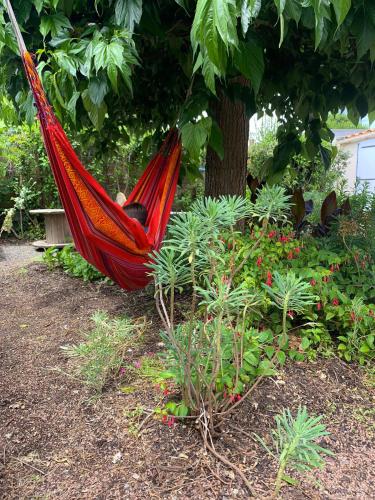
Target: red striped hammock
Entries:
(103, 234)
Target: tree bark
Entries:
(228, 176)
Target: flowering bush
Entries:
(339, 279)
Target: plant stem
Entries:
(279, 479)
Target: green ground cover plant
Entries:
(72, 263)
(101, 354)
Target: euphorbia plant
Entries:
(215, 353)
(292, 295)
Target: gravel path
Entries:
(16, 255)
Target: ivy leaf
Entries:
(194, 136)
(65, 62)
(128, 13)
(97, 90)
(100, 54)
(249, 61)
(115, 54)
(216, 140)
(96, 113)
(54, 24)
(342, 8)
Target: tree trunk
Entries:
(228, 176)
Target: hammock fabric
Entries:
(104, 235)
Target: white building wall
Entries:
(351, 171)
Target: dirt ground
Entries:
(56, 443)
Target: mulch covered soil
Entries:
(57, 443)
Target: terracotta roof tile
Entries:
(357, 134)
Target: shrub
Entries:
(72, 263)
(336, 278)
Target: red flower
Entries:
(319, 306)
(164, 419)
(166, 392)
(332, 268)
(337, 267)
(290, 255)
(171, 422)
(269, 278)
(232, 398)
(271, 234)
(352, 316)
(297, 250)
(283, 239)
(335, 301)
(325, 279)
(371, 313)
(259, 261)
(312, 282)
(238, 397)
(291, 314)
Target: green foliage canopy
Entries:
(111, 63)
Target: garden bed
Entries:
(56, 443)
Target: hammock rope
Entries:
(117, 245)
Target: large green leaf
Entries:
(293, 9)
(115, 54)
(249, 61)
(38, 5)
(128, 13)
(112, 72)
(66, 62)
(96, 113)
(98, 89)
(209, 71)
(194, 136)
(72, 106)
(249, 10)
(215, 30)
(54, 24)
(100, 55)
(342, 8)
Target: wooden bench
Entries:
(57, 229)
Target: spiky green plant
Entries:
(295, 443)
(290, 293)
(272, 204)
